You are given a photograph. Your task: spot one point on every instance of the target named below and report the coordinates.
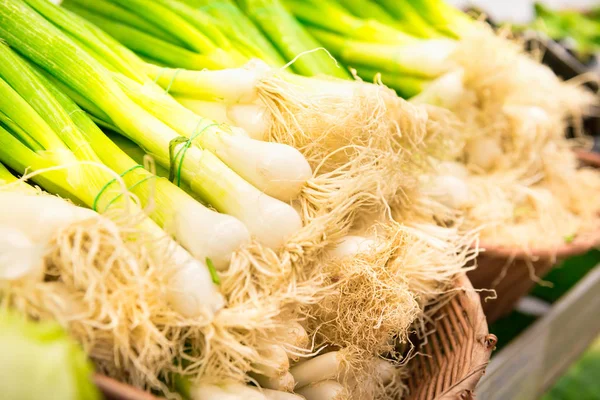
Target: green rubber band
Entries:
(182, 151)
(177, 71)
(160, 74)
(103, 189)
(129, 188)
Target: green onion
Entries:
(440, 15)
(227, 10)
(409, 19)
(172, 207)
(276, 169)
(290, 38)
(108, 10)
(148, 45)
(271, 221)
(191, 291)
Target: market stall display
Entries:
(230, 208)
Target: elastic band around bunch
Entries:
(107, 185)
(171, 82)
(182, 151)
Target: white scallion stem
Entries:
(445, 91)
(252, 118)
(385, 370)
(325, 366)
(191, 290)
(19, 255)
(40, 217)
(284, 382)
(236, 85)
(352, 245)
(278, 363)
(325, 390)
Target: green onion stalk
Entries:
(367, 45)
(227, 10)
(364, 130)
(275, 169)
(508, 108)
(237, 95)
(41, 135)
(219, 234)
(268, 219)
(290, 38)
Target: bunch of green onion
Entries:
(43, 131)
(227, 170)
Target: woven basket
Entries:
(589, 157)
(510, 271)
(452, 359)
(115, 390)
(449, 364)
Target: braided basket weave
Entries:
(453, 358)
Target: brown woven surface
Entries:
(452, 360)
(114, 390)
(512, 273)
(589, 157)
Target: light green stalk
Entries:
(330, 16)
(5, 175)
(220, 31)
(23, 160)
(227, 10)
(406, 86)
(80, 30)
(210, 42)
(425, 59)
(409, 19)
(114, 12)
(291, 39)
(148, 45)
(32, 129)
(368, 9)
(442, 16)
(160, 16)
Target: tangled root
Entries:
(368, 376)
(371, 304)
(525, 187)
(558, 207)
(110, 294)
(319, 121)
(380, 292)
(513, 100)
(349, 131)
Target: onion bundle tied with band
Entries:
(235, 213)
